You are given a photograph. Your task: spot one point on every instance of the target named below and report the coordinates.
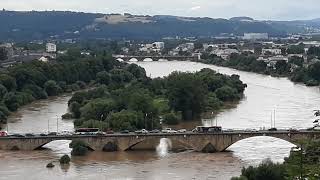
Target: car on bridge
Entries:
(142, 131)
(273, 129)
(182, 131)
(29, 135)
(169, 130)
(204, 129)
(65, 133)
(155, 131)
(17, 135)
(125, 132)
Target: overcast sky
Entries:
(258, 9)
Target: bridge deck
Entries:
(260, 133)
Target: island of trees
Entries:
(126, 99)
(120, 96)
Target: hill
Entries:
(33, 25)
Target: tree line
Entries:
(295, 69)
(26, 82)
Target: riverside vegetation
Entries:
(299, 165)
(23, 83)
(294, 69)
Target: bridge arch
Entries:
(266, 138)
(66, 142)
(120, 60)
(163, 60)
(148, 60)
(133, 60)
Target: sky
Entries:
(258, 9)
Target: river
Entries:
(293, 105)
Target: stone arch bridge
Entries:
(122, 142)
(157, 58)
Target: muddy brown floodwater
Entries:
(293, 103)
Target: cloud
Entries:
(194, 8)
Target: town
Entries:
(296, 50)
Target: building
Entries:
(51, 48)
(271, 51)
(158, 45)
(9, 48)
(255, 36)
(225, 53)
(186, 47)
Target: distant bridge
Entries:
(122, 142)
(155, 58)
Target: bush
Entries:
(312, 83)
(65, 159)
(81, 84)
(265, 171)
(67, 116)
(171, 119)
(52, 88)
(79, 151)
(79, 148)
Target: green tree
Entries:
(126, 120)
(296, 49)
(136, 71)
(52, 88)
(75, 109)
(103, 77)
(296, 60)
(3, 54)
(186, 93)
(226, 93)
(11, 101)
(8, 81)
(97, 108)
(3, 91)
(171, 119)
(314, 71)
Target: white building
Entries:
(225, 53)
(186, 47)
(272, 51)
(51, 48)
(255, 36)
(158, 45)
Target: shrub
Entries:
(79, 151)
(79, 148)
(65, 159)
